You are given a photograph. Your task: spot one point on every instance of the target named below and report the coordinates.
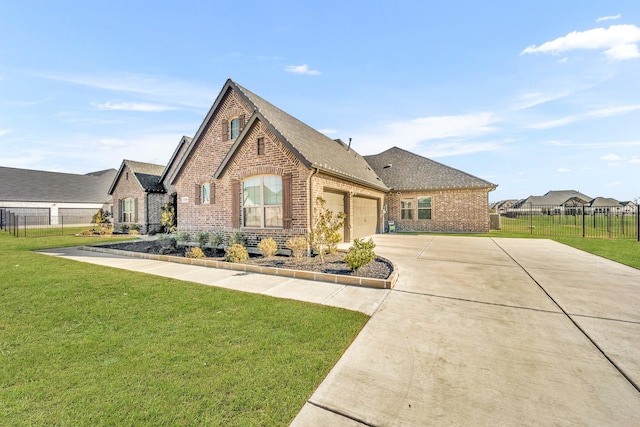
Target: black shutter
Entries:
(196, 196)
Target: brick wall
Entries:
(128, 186)
(208, 155)
(453, 211)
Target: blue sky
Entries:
(532, 96)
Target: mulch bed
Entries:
(380, 268)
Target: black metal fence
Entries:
(41, 226)
(604, 222)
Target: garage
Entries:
(335, 203)
(365, 217)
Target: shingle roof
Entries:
(147, 174)
(41, 186)
(402, 170)
(604, 202)
(555, 198)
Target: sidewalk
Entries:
(356, 298)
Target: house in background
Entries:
(53, 195)
(255, 169)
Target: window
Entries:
(128, 210)
(260, 146)
(234, 128)
(262, 201)
(205, 193)
(406, 209)
(424, 207)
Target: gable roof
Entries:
(169, 172)
(147, 175)
(311, 147)
(402, 170)
(604, 202)
(556, 198)
(29, 185)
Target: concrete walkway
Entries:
(355, 298)
(485, 331)
(477, 331)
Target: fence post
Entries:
(61, 218)
(531, 218)
(638, 221)
(583, 220)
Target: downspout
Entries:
(146, 218)
(310, 186)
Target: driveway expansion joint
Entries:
(341, 414)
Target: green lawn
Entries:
(90, 345)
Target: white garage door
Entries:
(365, 217)
(335, 203)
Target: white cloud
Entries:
(529, 99)
(5, 131)
(618, 42)
(301, 69)
(328, 131)
(411, 133)
(161, 89)
(594, 144)
(609, 18)
(133, 106)
(111, 142)
(563, 170)
(635, 160)
(595, 114)
(611, 158)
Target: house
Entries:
(604, 205)
(554, 202)
(141, 190)
(255, 169)
(628, 207)
(503, 206)
(428, 196)
(49, 196)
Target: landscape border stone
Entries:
(342, 279)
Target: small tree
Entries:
(360, 254)
(324, 233)
(168, 220)
(100, 218)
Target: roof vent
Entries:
(387, 166)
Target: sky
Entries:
(531, 96)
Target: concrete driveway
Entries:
(483, 331)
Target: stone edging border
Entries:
(249, 268)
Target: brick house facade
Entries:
(253, 168)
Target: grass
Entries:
(90, 345)
(593, 226)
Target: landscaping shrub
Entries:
(183, 236)
(325, 234)
(215, 240)
(360, 254)
(194, 252)
(298, 246)
(168, 220)
(133, 232)
(238, 239)
(236, 253)
(268, 247)
(202, 237)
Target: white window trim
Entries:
(430, 208)
(262, 207)
(411, 209)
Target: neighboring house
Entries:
(53, 195)
(138, 196)
(428, 196)
(253, 168)
(140, 190)
(604, 205)
(503, 206)
(555, 202)
(628, 207)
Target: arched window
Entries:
(262, 201)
